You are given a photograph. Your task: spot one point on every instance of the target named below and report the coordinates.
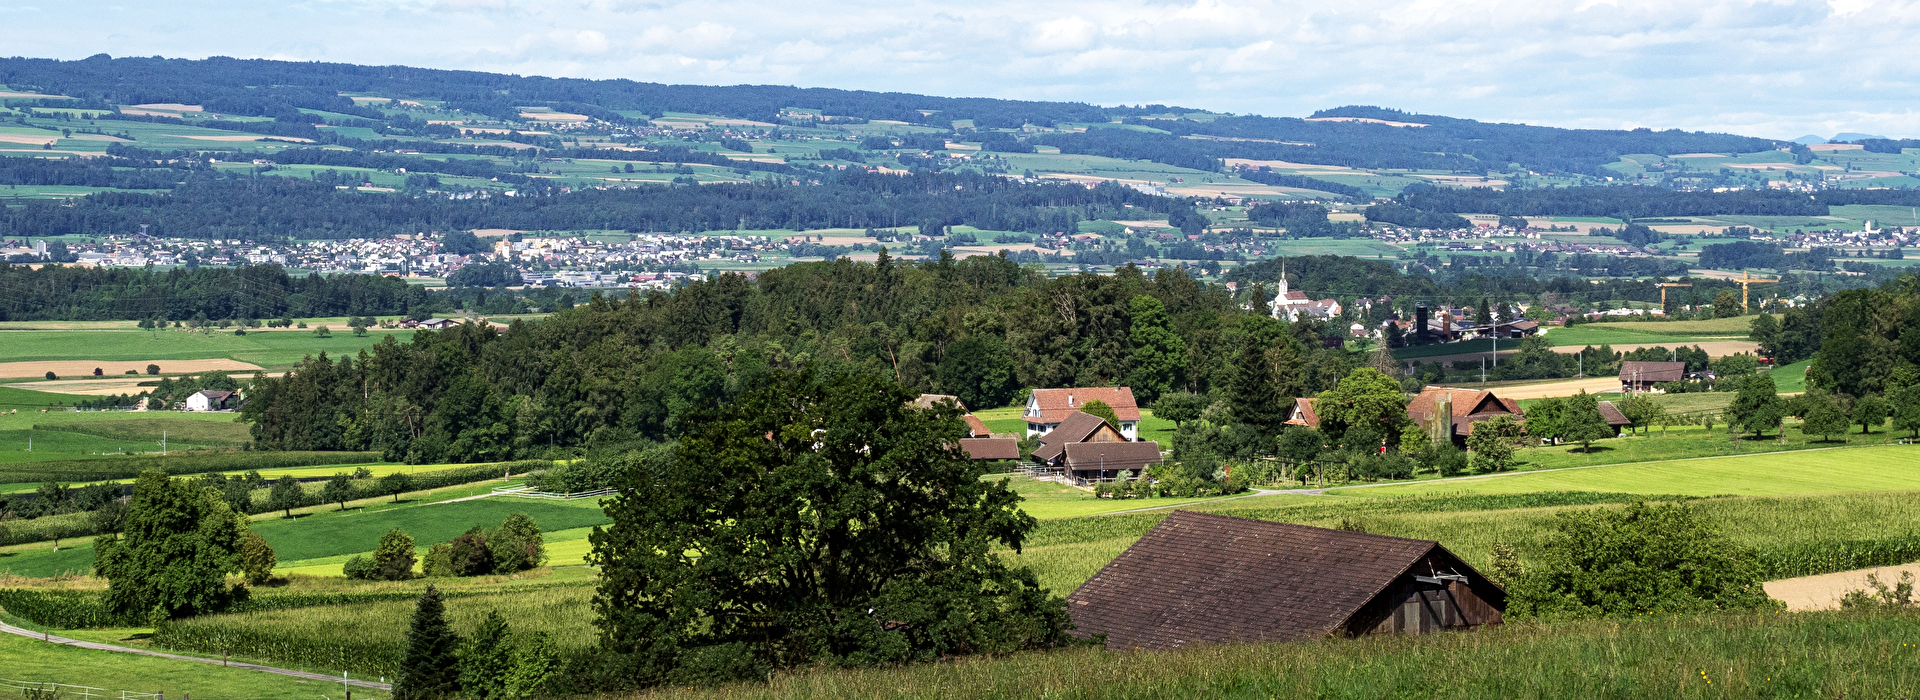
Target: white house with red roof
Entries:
(1047, 408)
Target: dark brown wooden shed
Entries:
(1207, 579)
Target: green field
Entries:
(270, 349)
(327, 533)
(34, 661)
(1893, 467)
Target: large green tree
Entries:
(1158, 352)
(1365, 397)
(1582, 422)
(821, 518)
(1758, 407)
(1821, 414)
(177, 544)
(979, 370)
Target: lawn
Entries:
(1891, 467)
(271, 349)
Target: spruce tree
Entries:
(1256, 401)
(430, 670)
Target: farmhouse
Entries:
(1206, 579)
(1048, 408)
(1089, 462)
(1636, 375)
(1458, 408)
(208, 400)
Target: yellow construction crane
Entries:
(1744, 281)
(1663, 292)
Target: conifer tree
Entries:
(430, 670)
(1255, 399)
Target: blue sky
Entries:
(1773, 69)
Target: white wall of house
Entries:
(198, 402)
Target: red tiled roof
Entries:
(990, 448)
(1198, 578)
(1056, 404)
(976, 425)
(1304, 407)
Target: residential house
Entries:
(1047, 408)
(436, 324)
(1636, 375)
(976, 428)
(1280, 582)
(1078, 427)
(209, 400)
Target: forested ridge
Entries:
(252, 292)
(288, 208)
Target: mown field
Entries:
(1894, 467)
(277, 349)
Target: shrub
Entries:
(361, 568)
(256, 558)
(1635, 560)
(518, 545)
(439, 561)
(394, 556)
(470, 555)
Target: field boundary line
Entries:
(96, 646)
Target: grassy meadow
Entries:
(1893, 467)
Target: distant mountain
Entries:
(1852, 137)
(1809, 140)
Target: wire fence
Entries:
(529, 492)
(48, 690)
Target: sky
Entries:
(1775, 69)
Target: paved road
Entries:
(322, 678)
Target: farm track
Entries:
(96, 646)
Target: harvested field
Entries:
(170, 107)
(1365, 120)
(98, 387)
(239, 137)
(1555, 389)
(30, 139)
(1824, 592)
(495, 232)
(1718, 348)
(77, 368)
(554, 117)
(33, 96)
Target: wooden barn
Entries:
(1198, 578)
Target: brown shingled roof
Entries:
(1198, 578)
(1112, 455)
(1613, 415)
(1304, 407)
(1078, 427)
(990, 448)
(1636, 370)
(1469, 406)
(1055, 404)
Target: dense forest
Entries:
(268, 208)
(257, 292)
(615, 370)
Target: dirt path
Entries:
(1823, 592)
(96, 646)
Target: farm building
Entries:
(1090, 462)
(1636, 375)
(1048, 408)
(1460, 408)
(209, 400)
(986, 448)
(1198, 578)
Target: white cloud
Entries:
(1768, 67)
